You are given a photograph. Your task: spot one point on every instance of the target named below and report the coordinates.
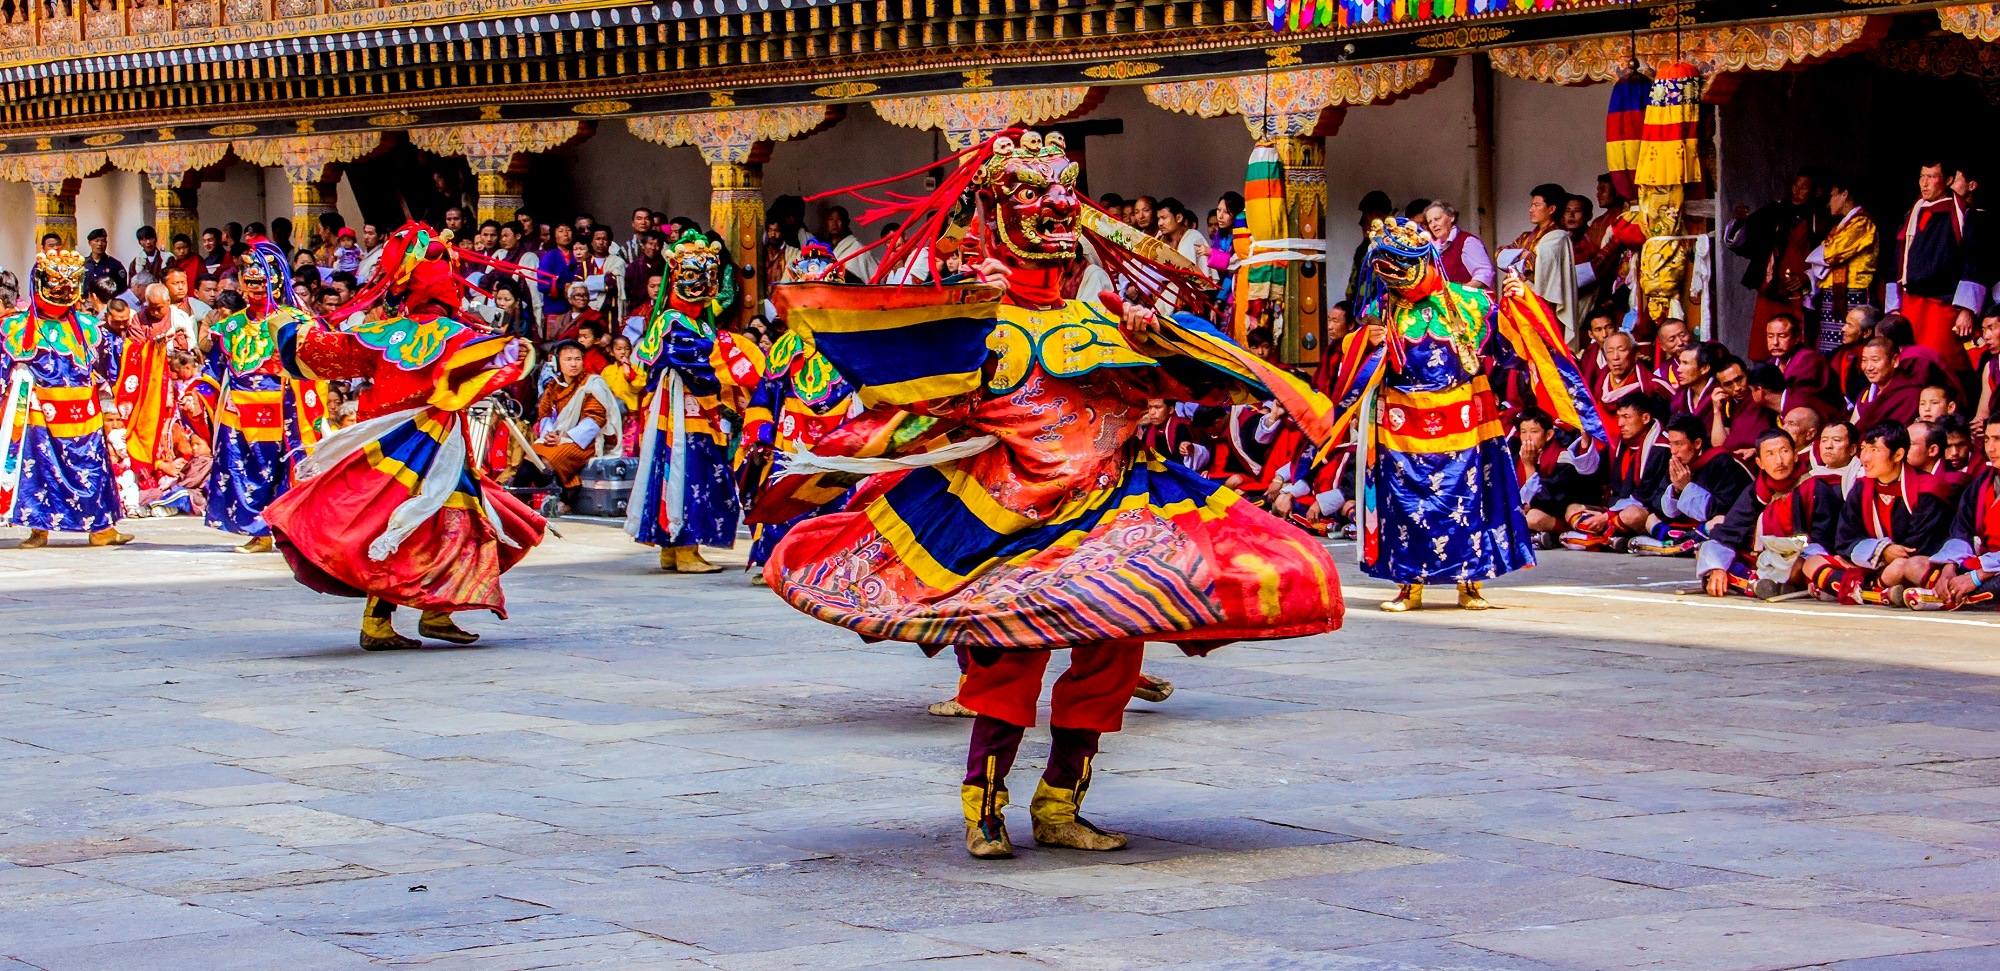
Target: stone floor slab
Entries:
(1724, 939)
(651, 771)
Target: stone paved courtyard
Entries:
(198, 770)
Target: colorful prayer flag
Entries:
(1668, 155)
(1625, 131)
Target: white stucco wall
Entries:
(614, 172)
(119, 202)
(17, 228)
(237, 195)
(1163, 153)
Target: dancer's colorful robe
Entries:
(55, 471)
(685, 493)
(1060, 533)
(1439, 498)
(265, 422)
(391, 506)
(801, 399)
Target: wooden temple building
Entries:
(188, 113)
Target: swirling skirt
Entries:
(1165, 555)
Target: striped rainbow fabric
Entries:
(1264, 214)
(1625, 131)
(1668, 155)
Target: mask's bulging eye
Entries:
(1025, 195)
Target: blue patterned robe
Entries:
(259, 429)
(61, 466)
(685, 494)
(1441, 502)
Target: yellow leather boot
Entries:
(377, 633)
(37, 538)
(1409, 596)
(438, 626)
(687, 559)
(257, 544)
(985, 828)
(1057, 823)
(1470, 598)
(108, 536)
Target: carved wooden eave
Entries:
(968, 117)
(1302, 102)
(204, 70)
(1712, 50)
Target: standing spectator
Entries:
(1615, 238)
(847, 247)
(322, 243)
(99, 266)
(1936, 273)
(1776, 241)
(1461, 255)
(514, 248)
(531, 231)
(1176, 223)
(1548, 261)
(180, 294)
(648, 263)
(642, 223)
(1842, 268)
(205, 292)
(214, 252)
(152, 260)
(575, 270)
(281, 234)
(1221, 241)
(1145, 214)
(608, 268)
(371, 251)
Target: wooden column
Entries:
(174, 213)
(736, 213)
(55, 211)
(1304, 158)
(499, 194)
(311, 199)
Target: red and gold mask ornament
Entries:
(59, 277)
(1028, 191)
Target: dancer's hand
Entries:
(990, 270)
(1134, 320)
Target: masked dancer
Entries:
(266, 420)
(685, 497)
(55, 473)
(1017, 515)
(392, 508)
(1439, 499)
